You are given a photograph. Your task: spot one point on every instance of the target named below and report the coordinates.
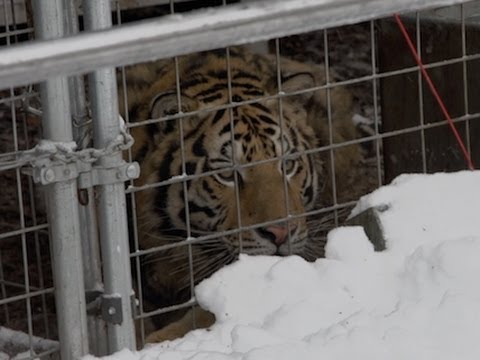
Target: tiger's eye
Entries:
(289, 166)
(227, 175)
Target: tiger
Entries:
(236, 152)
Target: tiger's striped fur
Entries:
(263, 131)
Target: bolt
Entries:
(49, 176)
(131, 171)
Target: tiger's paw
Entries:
(198, 316)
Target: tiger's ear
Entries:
(166, 103)
(296, 82)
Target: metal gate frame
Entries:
(108, 173)
(58, 53)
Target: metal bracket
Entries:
(112, 309)
(99, 175)
(109, 307)
(50, 174)
(88, 175)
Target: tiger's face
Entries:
(241, 171)
(257, 174)
(233, 166)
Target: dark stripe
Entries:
(218, 115)
(267, 120)
(181, 215)
(269, 131)
(193, 132)
(294, 137)
(198, 148)
(253, 92)
(212, 98)
(190, 168)
(309, 193)
(193, 208)
(176, 232)
(252, 120)
(134, 112)
(161, 199)
(211, 90)
(219, 74)
(244, 86)
(164, 168)
(208, 189)
(168, 126)
(193, 82)
(243, 75)
(260, 107)
(141, 153)
(226, 128)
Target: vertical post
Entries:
(62, 200)
(92, 270)
(112, 203)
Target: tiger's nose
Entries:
(278, 233)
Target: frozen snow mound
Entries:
(418, 299)
(418, 208)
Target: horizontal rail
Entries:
(182, 34)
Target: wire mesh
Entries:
(394, 129)
(338, 50)
(26, 300)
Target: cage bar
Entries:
(82, 131)
(112, 212)
(62, 209)
(171, 36)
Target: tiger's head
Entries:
(229, 166)
(244, 166)
(244, 171)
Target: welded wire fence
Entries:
(75, 218)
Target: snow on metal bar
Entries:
(182, 34)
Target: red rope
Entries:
(434, 91)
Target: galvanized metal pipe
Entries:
(178, 35)
(62, 200)
(92, 269)
(112, 203)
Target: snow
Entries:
(18, 343)
(48, 146)
(418, 299)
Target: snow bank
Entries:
(418, 299)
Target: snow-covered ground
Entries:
(418, 299)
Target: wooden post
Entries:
(400, 96)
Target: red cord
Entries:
(434, 91)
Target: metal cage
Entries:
(68, 198)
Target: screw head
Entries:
(131, 171)
(49, 176)
(112, 310)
